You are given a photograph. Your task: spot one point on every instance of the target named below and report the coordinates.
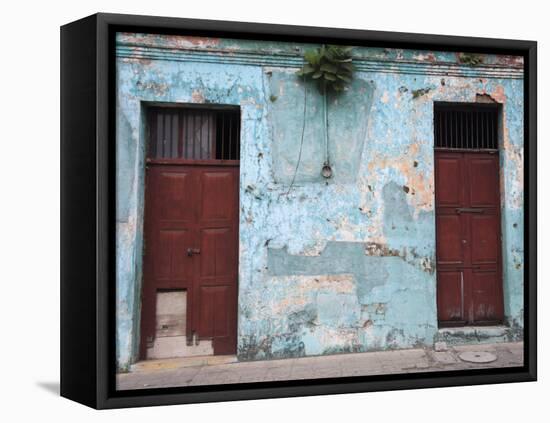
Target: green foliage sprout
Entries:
(470, 59)
(329, 66)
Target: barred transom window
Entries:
(194, 133)
(466, 126)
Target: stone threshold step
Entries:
(464, 335)
(471, 330)
(180, 362)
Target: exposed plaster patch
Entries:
(509, 60)
(485, 98)
(499, 94)
(319, 245)
(417, 180)
(425, 57)
(158, 88)
(169, 41)
(197, 96)
(513, 154)
(380, 250)
(306, 288)
(346, 230)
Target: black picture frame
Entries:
(88, 210)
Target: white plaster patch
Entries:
(197, 96)
(336, 337)
(347, 231)
(317, 248)
(304, 289)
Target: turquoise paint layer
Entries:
(374, 220)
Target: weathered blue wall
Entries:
(346, 264)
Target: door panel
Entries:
(213, 312)
(175, 196)
(217, 259)
(449, 238)
(483, 175)
(218, 203)
(168, 232)
(450, 295)
(217, 224)
(485, 243)
(485, 290)
(469, 275)
(170, 250)
(449, 169)
(191, 244)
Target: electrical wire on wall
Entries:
(302, 138)
(326, 171)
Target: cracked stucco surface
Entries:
(340, 265)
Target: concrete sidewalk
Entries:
(225, 369)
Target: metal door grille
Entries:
(466, 126)
(194, 133)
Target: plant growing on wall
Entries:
(470, 59)
(331, 69)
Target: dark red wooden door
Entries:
(191, 243)
(469, 281)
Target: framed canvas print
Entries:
(255, 211)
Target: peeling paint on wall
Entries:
(343, 265)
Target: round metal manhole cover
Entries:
(477, 356)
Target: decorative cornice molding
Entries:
(137, 51)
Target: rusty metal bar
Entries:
(230, 151)
(238, 136)
(158, 150)
(471, 130)
(487, 129)
(187, 137)
(223, 135)
(201, 129)
(175, 130)
(166, 136)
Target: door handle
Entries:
(468, 210)
(191, 251)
